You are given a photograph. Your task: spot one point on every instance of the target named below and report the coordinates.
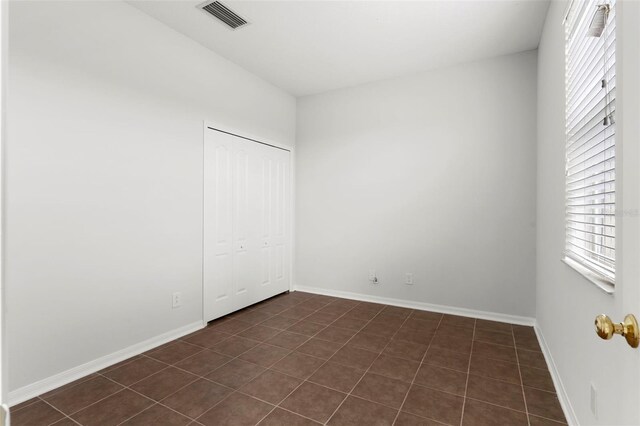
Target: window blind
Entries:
(590, 79)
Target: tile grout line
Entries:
(327, 360)
(325, 326)
(418, 370)
(368, 368)
(524, 396)
(466, 386)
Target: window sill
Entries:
(600, 282)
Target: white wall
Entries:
(432, 174)
(566, 302)
(104, 177)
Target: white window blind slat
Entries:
(590, 185)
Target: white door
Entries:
(246, 222)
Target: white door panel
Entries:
(246, 223)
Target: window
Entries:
(590, 79)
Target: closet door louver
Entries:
(590, 143)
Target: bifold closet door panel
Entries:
(229, 271)
(274, 223)
(246, 223)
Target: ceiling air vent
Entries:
(224, 14)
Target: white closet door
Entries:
(274, 221)
(246, 223)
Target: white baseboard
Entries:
(493, 316)
(563, 397)
(45, 385)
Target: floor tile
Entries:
(354, 357)
(478, 413)
(77, 382)
(496, 392)
(259, 332)
(370, 342)
(383, 390)
(235, 346)
(307, 328)
(319, 348)
(412, 335)
(452, 343)
(298, 365)
(531, 359)
(271, 386)
(443, 379)
(493, 351)
(335, 334)
(381, 329)
(495, 369)
(38, 413)
(82, 395)
(206, 338)
(288, 340)
(113, 410)
(24, 404)
(337, 376)
(203, 362)
(157, 415)
(324, 318)
(539, 421)
(433, 404)
(196, 398)
(544, 404)
(236, 373)
(280, 417)
(527, 342)
(64, 422)
(254, 317)
(502, 327)
(297, 312)
(537, 378)
(236, 410)
(494, 337)
(448, 359)
(264, 355)
(406, 350)
(350, 323)
(419, 324)
(135, 371)
(426, 315)
(279, 322)
(232, 326)
(396, 311)
(356, 411)
(313, 401)
(175, 352)
(396, 368)
(455, 331)
(458, 321)
(163, 383)
(406, 419)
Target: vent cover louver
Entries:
(224, 14)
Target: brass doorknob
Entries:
(629, 329)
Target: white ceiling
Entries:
(308, 47)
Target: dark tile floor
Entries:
(303, 359)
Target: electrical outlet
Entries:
(594, 400)
(372, 276)
(176, 300)
(408, 278)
